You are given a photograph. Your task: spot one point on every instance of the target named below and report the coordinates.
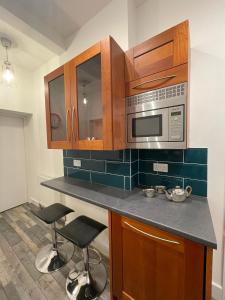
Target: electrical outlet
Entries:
(77, 163)
(157, 167)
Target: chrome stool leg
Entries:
(89, 283)
(54, 256)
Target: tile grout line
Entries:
(171, 176)
(99, 160)
(173, 162)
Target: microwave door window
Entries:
(150, 126)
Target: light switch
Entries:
(157, 167)
(77, 163)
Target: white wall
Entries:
(17, 97)
(207, 105)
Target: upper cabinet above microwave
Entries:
(158, 62)
(85, 105)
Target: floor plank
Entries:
(23, 282)
(2, 294)
(27, 258)
(11, 292)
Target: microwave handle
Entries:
(153, 80)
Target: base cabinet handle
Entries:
(151, 235)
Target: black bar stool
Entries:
(53, 256)
(89, 283)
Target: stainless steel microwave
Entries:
(157, 119)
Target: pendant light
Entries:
(7, 71)
(85, 100)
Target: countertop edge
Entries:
(127, 214)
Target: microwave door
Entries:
(148, 126)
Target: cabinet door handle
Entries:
(73, 110)
(67, 124)
(151, 235)
(153, 80)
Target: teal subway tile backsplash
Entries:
(129, 168)
(108, 155)
(196, 155)
(155, 179)
(118, 168)
(199, 187)
(134, 167)
(93, 165)
(78, 153)
(161, 155)
(108, 179)
(146, 166)
(114, 168)
(80, 174)
(134, 181)
(185, 167)
(190, 170)
(130, 155)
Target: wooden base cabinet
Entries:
(151, 264)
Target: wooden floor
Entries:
(21, 237)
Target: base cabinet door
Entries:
(154, 265)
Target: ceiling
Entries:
(25, 52)
(39, 28)
(56, 19)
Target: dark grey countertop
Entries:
(190, 219)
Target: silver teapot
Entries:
(178, 194)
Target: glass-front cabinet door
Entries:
(87, 85)
(58, 108)
(89, 99)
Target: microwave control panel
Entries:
(176, 123)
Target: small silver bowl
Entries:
(160, 189)
(150, 193)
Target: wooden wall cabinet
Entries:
(159, 61)
(151, 264)
(92, 107)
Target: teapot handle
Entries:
(168, 194)
(188, 190)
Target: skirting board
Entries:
(34, 201)
(217, 291)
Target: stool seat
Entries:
(52, 213)
(81, 231)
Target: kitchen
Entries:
(130, 27)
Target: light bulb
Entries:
(7, 74)
(85, 100)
